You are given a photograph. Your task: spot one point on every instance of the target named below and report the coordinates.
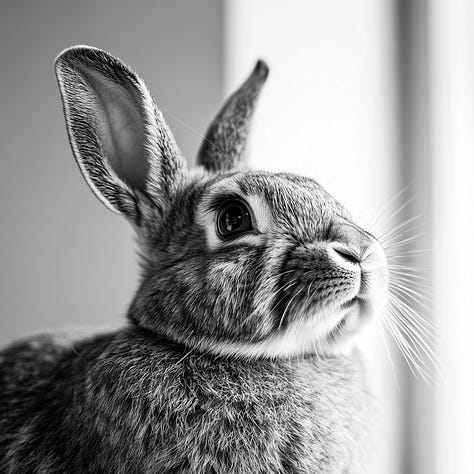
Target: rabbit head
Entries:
(234, 261)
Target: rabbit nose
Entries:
(344, 255)
(353, 258)
(351, 246)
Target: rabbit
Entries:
(239, 352)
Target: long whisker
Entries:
(410, 292)
(402, 228)
(415, 326)
(408, 274)
(403, 242)
(382, 209)
(418, 342)
(409, 351)
(396, 213)
(381, 331)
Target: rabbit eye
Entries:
(233, 218)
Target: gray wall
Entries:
(65, 260)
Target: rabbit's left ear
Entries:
(120, 140)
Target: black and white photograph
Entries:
(237, 237)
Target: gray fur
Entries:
(121, 175)
(131, 402)
(190, 385)
(224, 144)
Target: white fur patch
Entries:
(308, 336)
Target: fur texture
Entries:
(133, 402)
(253, 286)
(224, 144)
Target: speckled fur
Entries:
(157, 396)
(132, 402)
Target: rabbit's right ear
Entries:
(119, 138)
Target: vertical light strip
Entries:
(328, 111)
(452, 58)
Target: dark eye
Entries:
(233, 218)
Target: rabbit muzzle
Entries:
(333, 288)
(359, 256)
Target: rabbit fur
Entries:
(238, 352)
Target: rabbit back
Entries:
(39, 378)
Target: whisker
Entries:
(417, 323)
(381, 331)
(418, 343)
(288, 306)
(406, 273)
(272, 296)
(403, 242)
(403, 255)
(380, 212)
(394, 214)
(411, 293)
(411, 354)
(401, 345)
(403, 227)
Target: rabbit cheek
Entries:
(309, 296)
(233, 286)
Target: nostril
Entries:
(345, 255)
(348, 255)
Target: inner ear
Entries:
(121, 125)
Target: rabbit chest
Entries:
(164, 408)
(133, 403)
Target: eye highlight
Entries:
(233, 218)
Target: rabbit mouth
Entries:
(333, 327)
(354, 316)
(354, 312)
(327, 333)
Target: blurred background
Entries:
(373, 98)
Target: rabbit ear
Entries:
(223, 147)
(119, 138)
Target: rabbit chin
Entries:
(329, 332)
